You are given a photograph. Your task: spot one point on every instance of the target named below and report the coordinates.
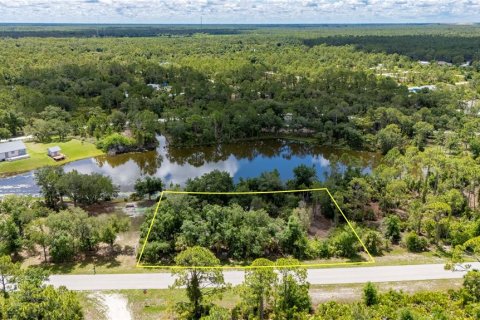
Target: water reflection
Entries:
(177, 165)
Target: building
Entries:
(418, 89)
(13, 150)
(54, 151)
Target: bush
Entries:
(471, 285)
(317, 249)
(406, 314)
(392, 228)
(62, 248)
(415, 243)
(345, 244)
(373, 242)
(370, 294)
(115, 141)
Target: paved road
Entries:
(315, 276)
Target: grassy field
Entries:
(73, 150)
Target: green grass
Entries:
(73, 150)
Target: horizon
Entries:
(256, 12)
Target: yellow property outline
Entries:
(139, 265)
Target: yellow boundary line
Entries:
(139, 265)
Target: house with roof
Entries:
(13, 150)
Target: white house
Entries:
(13, 150)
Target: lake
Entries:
(176, 165)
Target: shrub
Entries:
(415, 243)
(373, 242)
(370, 294)
(392, 228)
(345, 244)
(115, 141)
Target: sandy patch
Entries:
(115, 306)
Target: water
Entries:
(177, 165)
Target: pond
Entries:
(176, 165)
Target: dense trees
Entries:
(33, 299)
(83, 189)
(59, 236)
(206, 92)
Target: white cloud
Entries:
(238, 11)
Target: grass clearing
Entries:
(73, 150)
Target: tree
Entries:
(294, 238)
(144, 125)
(422, 131)
(13, 122)
(38, 233)
(148, 186)
(10, 238)
(8, 272)
(392, 228)
(389, 138)
(291, 291)
(4, 133)
(215, 181)
(47, 179)
(35, 300)
(86, 189)
(200, 280)
(370, 294)
(110, 227)
(304, 177)
(258, 287)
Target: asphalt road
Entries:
(315, 276)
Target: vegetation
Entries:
(26, 224)
(32, 299)
(333, 86)
(38, 157)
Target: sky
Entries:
(239, 11)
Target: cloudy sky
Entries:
(239, 11)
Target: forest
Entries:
(353, 88)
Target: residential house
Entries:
(13, 150)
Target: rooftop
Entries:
(11, 146)
(54, 149)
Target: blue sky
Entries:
(240, 11)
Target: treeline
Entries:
(117, 31)
(280, 290)
(453, 49)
